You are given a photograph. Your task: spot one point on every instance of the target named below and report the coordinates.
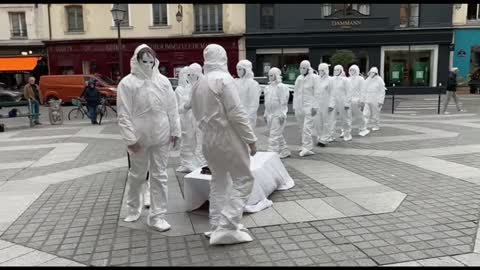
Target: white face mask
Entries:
(321, 73)
(147, 63)
(303, 70)
(240, 72)
(371, 74)
(272, 77)
(337, 72)
(192, 78)
(352, 72)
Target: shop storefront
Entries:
(417, 59)
(101, 56)
(17, 63)
(467, 53)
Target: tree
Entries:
(345, 58)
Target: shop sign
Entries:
(180, 46)
(461, 53)
(346, 23)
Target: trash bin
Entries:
(55, 112)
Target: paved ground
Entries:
(405, 195)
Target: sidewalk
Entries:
(405, 195)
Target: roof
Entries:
(18, 63)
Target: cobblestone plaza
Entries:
(405, 195)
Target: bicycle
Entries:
(102, 109)
(79, 112)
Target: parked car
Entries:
(68, 87)
(8, 95)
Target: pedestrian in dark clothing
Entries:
(452, 91)
(92, 97)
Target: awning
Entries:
(18, 63)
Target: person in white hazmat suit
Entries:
(356, 84)
(249, 90)
(194, 74)
(324, 118)
(227, 138)
(372, 100)
(340, 103)
(149, 122)
(305, 105)
(276, 108)
(183, 92)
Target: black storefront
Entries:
(413, 58)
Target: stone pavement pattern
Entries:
(68, 212)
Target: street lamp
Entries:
(118, 15)
(179, 13)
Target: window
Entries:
(18, 24)
(409, 14)
(287, 60)
(208, 18)
(159, 14)
(266, 16)
(345, 10)
(410, 66)
(74, 18)
(473, 12)
(126, 18)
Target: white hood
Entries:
(215, 58)
(182, 77)
(355, 69)
(137, 70)
(278, 75)
(247, 65)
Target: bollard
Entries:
(393, 98)
(439, 97)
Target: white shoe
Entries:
(347, 137)
(375, 129)
(364, 133)
(446, 113)
(132, 218)
(342, 134)
(160, 225)
(285, 153)
(306, 152)
(207, 234)
(183, 169)
(462, 110)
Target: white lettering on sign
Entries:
(346, 23)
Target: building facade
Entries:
(22, 52)
(84, 36)
(409, 43)
(466, 55)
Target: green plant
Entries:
(344, 58)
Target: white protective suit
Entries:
(356, 84)
(324, 118)
(373, 97)
(340, 101)
(248, 90)
(183, 92)
(305, 105)
(224, 123)
(148, 120)
(276, 108)
(194, 74)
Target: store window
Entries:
(74, 18)
(67, 70)
(18, 25)
(409, 14)
(267, 16)
(410, 67)
(208, 17)
(345, 10)
(159, 14)
(473, 11)
(288, 60)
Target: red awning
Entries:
(18, 63)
